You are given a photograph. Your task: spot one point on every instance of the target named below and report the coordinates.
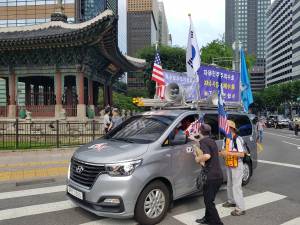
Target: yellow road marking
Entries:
(34, 164)
(33, 173)
(260, 148)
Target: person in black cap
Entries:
(214, 175)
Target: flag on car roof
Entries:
(246, 92)
(223, 121)
(158, 77)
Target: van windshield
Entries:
(141, 129)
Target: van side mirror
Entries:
(179, 139)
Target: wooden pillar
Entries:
(107, 90)
(12, 108)
(58, 94)
(91, 92)
(81, 108)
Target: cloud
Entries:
(208, 17)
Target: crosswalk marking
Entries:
(111, 222)
(31, 192)
(295, 221)
(251, 202)
(279, 164)
(35, 209)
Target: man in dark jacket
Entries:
(214, 175)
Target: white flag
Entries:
(193, 59)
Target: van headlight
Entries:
(69, 171)
(122, 168)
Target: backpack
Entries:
(247, 157)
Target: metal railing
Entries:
(25, 135)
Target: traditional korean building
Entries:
(53, 66)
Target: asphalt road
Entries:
(272, 196)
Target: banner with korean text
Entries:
(208, 77)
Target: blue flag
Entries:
(246, 93)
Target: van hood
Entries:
(104, 151)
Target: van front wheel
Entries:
(246, 173)
(153, 204)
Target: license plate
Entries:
(75, 193)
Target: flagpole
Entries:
(196, 77)
(156, 86)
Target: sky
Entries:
(208, 17)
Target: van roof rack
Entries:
(172, 105)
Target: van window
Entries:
(242, 123)
(141, 129)
(213, 121)
(181, 127)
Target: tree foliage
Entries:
(217, 52)
(274, 96)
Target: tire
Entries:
(140, 214)
(247, 172)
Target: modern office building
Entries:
(29, 12)
(163, 30)
(245, 23)
(282, 41)
(146, 26)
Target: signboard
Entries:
(3, 100)
(21, 94)
(209, 76)
(208, 82)
(185, 82)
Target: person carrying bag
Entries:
(211, 175)
(233, 153)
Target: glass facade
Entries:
(91, 8)
(30, 12)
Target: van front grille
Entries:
(85, 173)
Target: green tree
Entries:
(217, 52)
(172, 58)
(275, 96)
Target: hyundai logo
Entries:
(79, 169)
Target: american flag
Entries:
(194, 128)
(223, 121)
(158, 76)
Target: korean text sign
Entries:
(209, 76)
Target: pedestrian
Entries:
(107, 119)
(233, 152)
(116, 120)
(296, 127)
(260, 129)
(214, 180)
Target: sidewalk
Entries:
(32, 165)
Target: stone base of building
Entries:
(81, 111)
(12, 111)
(58, 111)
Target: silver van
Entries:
(143, 165)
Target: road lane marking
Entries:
(29, 164)
(297, 139)
(35, 209)
(279, 164)
(33, 173)
(295, 221)
(252, 201)
(290, 143)
(31, 192)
